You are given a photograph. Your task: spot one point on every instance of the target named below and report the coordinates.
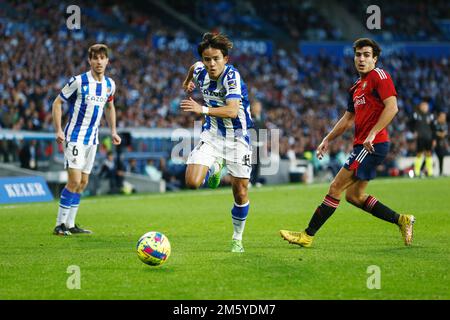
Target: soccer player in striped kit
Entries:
(372, 106)
(224, 137)
(87, 94)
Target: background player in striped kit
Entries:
(224, 136)
(372, 106)
(86, 95)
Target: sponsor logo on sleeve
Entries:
(232, 84)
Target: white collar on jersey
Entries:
(91, 77)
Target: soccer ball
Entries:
(153, 248)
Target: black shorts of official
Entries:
(363, 163)
(441, 151)
(424, 144)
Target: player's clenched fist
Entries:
(322, 149)
(60, 137)
(116, 140)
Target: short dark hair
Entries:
(98, 48)
(426, 99)
(366, 42)
(217, 41)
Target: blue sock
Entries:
(76, 199)
(239, 215)
(64, 206)
(73, 210)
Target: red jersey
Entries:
(366, 102)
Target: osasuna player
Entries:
(224, 138)
(86, 94)
(372, 105)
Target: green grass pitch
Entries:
(34, 263)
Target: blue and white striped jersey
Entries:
(86, 98)
(215, 93)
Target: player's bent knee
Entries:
(241, 196)
(82, 185)
(73, 186)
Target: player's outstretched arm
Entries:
(229, 111)
(344, 123)
(390, 110)
(110, 114)
(56, 115)
(188, 85)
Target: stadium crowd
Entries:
(404, 20)
(303, 96)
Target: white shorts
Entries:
(237, 154)
(79, 156)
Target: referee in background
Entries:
(422, 125)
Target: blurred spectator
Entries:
(107, 170)
(173, 173)
(336, 158)
(404, 20)
(119, 175)
(133, 167)
(113, 170)
(152, 171)
(28, 155)
(8, 151)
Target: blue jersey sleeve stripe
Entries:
(62, 96)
